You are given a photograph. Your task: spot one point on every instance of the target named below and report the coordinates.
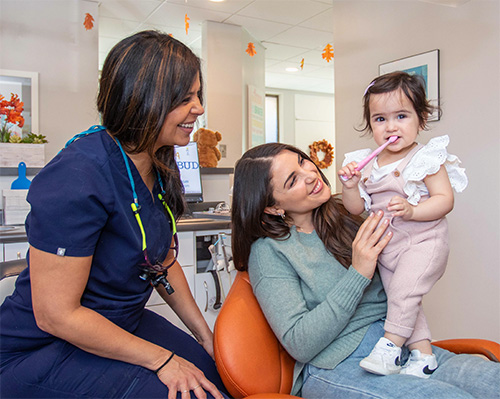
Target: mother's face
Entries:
(298, 187)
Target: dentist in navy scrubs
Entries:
(102, 236)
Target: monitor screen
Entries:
(189, 168)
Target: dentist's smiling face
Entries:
(179, 123)
(298, 187)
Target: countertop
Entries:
(11, 234)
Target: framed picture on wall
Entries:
(24, 85)
(256, 121)
(424, 64)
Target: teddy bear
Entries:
(208, 152)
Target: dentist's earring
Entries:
(282, 215)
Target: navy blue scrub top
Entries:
(80, 206)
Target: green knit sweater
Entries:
(318, 309)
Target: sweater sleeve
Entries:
(303, 330)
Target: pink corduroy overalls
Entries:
(414, 259)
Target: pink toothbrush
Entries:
(363, 163)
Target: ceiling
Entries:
(289, 30)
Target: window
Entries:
(272, 118)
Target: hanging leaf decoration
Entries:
(302, 64)
(251, 49)
(327, 53)
(186, 23)
(88, 21)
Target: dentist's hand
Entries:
(179, 375)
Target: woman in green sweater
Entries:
(312, 266)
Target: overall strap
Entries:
(367, 171)
(408, 157)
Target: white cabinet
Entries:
(213, 278)
(14, 251)
(197, 264)
(206, 293)
(186, 259)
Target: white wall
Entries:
(306, 117)
(314, 121)
(466, 302)
(228, 69)
(48, 37)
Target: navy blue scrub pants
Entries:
(61, 370)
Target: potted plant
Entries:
(32, 150)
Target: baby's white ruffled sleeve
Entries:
(426, 162)
(357, 156)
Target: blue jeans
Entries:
(457, 377)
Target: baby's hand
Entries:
(399, 206)
(351, 175)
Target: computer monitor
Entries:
(189, 168)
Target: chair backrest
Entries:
(248, 355)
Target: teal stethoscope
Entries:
(156, 272)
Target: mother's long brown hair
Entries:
(253, 192)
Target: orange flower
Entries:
(12, 110)
(16, 103)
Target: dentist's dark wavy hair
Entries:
(413, 87)
(253, 192)
(144, 77)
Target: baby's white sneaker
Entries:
(384, 359)
(420, 365)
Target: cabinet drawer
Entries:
(156, 299)
(186, 248)
(15, 251)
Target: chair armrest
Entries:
(471, 346)
(12, 267)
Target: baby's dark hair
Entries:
(413, 86)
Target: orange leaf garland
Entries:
(328, 53)
(251, 49)
(302, 64)
(325, 147)
(88, 22)
(186, 23)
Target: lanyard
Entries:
(135, 205)
(156, 273)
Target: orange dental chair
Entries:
(253, 364)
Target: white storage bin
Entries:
(15, 206)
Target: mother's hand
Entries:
(179, 375)
(369, 243)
